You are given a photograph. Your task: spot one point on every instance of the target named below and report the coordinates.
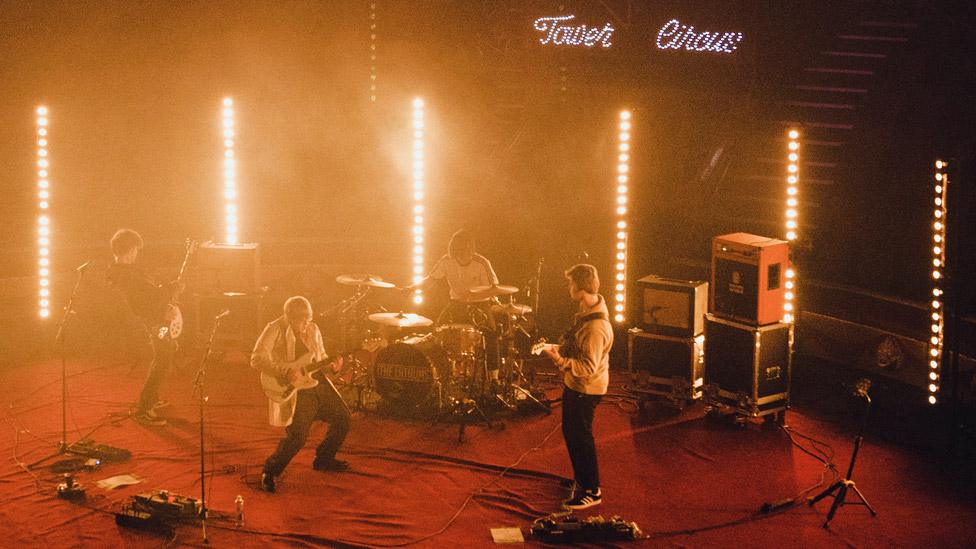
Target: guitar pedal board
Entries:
(162, 504)
(594, 529)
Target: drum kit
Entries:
(471, 366)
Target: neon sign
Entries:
(674, 36)
(572, 35)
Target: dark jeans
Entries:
(321, 402)
(578, 409)
(162, 361)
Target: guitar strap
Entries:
(568, 347)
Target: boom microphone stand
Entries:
(198, 385)
(63, 446)
(845, 484)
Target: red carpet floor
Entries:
(687, 481)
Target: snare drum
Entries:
(460, 340)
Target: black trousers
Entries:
(578, 410)
(162, 361)
(323, 403)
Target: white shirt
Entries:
(462, 278)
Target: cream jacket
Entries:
(274, 349)
(590, 373)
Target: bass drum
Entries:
(407, 372)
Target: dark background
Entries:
(521, 136)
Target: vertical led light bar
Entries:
(418, 196)
(231, 226)
(372, 52)
(792, 180)
(623, 179)
(938, 266)
(792, 225)
(43, 216)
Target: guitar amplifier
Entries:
(749, 367)
(673, 307)
(748, 278)
(221, 268)
(666, 366)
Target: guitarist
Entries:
(151, 304)
(584, 359)
(294, 340)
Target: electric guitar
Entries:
(280, 388)
(174, 327)
(542, 345)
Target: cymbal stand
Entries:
(517, 369)
(464, 408)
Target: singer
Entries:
(150, 303)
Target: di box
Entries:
(748, 278)
(664, 365)
(221, 268)
(748, 366)
(673, 307)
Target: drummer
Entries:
(464, 269)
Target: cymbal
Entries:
(495, 290)
(364, 280)
(511, 309)
(400, 320)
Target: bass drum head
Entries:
(403, 375)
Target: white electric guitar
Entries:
(542, 345)
(281, 388)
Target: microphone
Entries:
(84, 265)
(222, 314)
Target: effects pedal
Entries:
(164, 505)
(102, 452)
(562, 529)
(69, 489)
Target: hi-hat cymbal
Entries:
(364, 280)
(401, 320)
(495, 290)
(511, 309)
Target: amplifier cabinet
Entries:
(220, 268)
(673, 307)
(748, 278)
(749, 367)
(667, 366)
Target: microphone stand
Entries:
(198, 387)
(842, 486)
(63, 446)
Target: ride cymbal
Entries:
(400, 320)
(364, 280)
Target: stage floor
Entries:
(686, 480)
